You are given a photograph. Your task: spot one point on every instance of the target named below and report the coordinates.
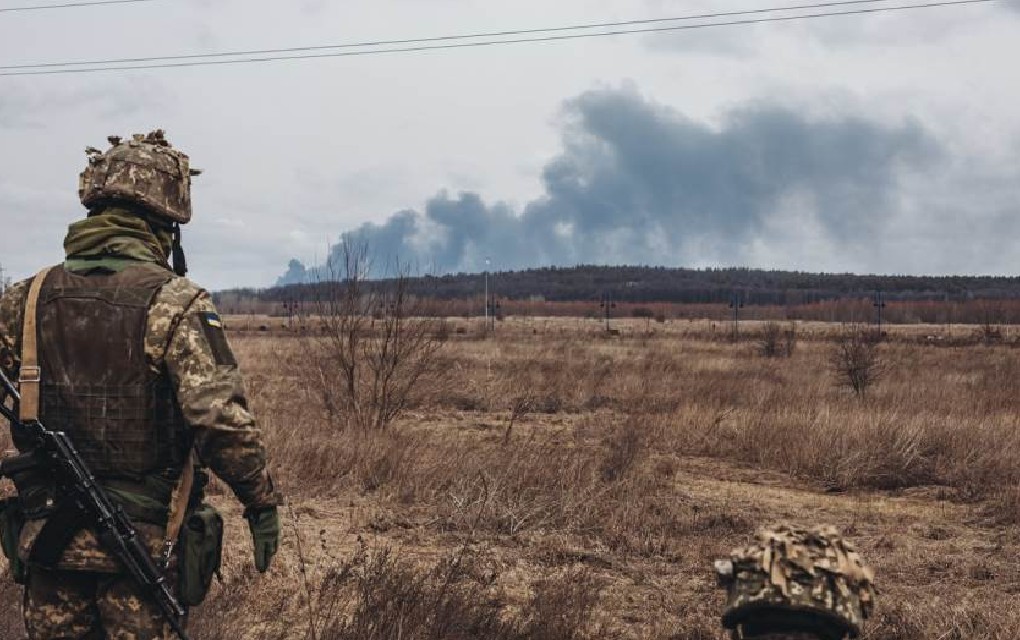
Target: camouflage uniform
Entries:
(85, 595)
(796, 583)
(76, 604)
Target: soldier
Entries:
(129, 358)
(796, 584)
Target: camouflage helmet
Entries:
(145, 170)
(796, 581)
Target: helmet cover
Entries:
(796, 580)
(145, 170)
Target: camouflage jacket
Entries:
(209, 390)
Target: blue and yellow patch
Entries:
(212, 327)
(212, 320)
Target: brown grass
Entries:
(561, 483)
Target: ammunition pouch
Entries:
(12, 520)
(36, 488)
(200, 552)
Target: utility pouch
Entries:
(12, 520)
(200, 553)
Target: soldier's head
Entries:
(796, 584)
(145, 175)
(145, 172)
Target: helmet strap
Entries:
(180, 262)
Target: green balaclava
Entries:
(115, 233)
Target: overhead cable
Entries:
(71, 5)
(115, 65)
(462, 36)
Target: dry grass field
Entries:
(554, 481)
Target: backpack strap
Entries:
(30, 375)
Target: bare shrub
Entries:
(790, 340)
(988, 333)
(856, 360)
(376, 347)
(1004, 506)
(777, 342)
(562, 607)
(376, 595)
(626, 447)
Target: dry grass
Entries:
(561, 483)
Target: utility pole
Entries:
(488, 261)
(879, 304)
(493, 309)
(949, 314)
(736, 303)
(3, 281)
(607, 305)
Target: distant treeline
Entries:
(679, 293)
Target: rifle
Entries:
(54, 451)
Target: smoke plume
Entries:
(641, 183)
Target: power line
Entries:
(463, 36)
(71, 5)
(35, 70)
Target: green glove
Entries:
(265, 533)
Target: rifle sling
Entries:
(61, 527)
(179, 502)
(30, 375)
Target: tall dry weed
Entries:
(375, 594)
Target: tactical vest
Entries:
(97, 385)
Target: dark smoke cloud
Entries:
(640, 183)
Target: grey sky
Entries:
(297, 153)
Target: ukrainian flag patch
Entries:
(212, 320)
(212, 327)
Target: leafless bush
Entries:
(377, 347)
(562, 607)
(1004, 506)
(856, 360)
(790, 340)
(376, 595)
(988, 333)
(626, 447)
(777, 342)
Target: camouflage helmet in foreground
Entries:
(803, 582)
(145, 170)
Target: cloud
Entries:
(896, 28)
(638, 182)
(26, 106)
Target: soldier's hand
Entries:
(265, 534)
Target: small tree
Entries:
(989, 332)
(776, 342)
(856, 359)
(377, 346)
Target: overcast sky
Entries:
(883, 143)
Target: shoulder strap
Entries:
(31, 375)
